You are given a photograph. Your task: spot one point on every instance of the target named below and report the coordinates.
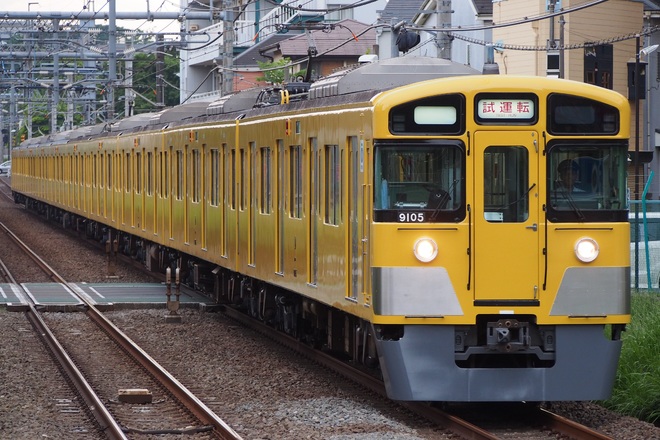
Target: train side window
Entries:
(419, 182)
(587, 180)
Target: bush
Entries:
(637, 387)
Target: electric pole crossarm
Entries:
(104, 15)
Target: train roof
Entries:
(387, 74)
(363, 77)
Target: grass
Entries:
(637, 386)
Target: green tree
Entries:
(144, 80)
(271, 72)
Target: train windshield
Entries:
(587, 181)
(419, 182)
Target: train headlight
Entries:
(425, 250)
(586, 249)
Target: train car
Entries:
(464, 236)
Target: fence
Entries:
(645, 244)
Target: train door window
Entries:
(215, 177)
(279, 204)
(196, 176)
(138, 172)
(243, 178)
(94, 171)
(150, 177)
(127, 173)
(76, 182)
(295, 181)
(313, 184)
(232, 179)
(167, 169)
(251, 185)
(333, 179)
(266, 188)
(117, 167)
(161, 173)
(83, 164)
(506, 184)
(179, 175)
(101, 170)
(108, 172)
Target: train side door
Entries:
(506, 209)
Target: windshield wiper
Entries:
(571, 202)
(444, 200)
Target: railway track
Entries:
(119, 357)
(534, 424)
(488, 430)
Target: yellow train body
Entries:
(318, 208)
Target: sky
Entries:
(102, 5)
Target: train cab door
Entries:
(506, 210)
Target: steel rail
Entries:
(188, 399)
(568, 427)
(95, 406)
(178, 390)
(455, 424)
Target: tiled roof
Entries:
(401, 10)
(407, 9)
(250, 56)
(343, 32)
(483, 6)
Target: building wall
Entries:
(470, 54)
(591, 24)
(606, 21)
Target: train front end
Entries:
(496, 275)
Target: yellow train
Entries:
(465, 235)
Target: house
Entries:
(596, 50)
(211, 47)
(468, 42)
(334, 46)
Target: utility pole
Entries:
(55, 89)
(129, 93)
(562, 26)
(228, 47)
(12, 117)
(160, 69)
(112, 59)
(70, 95)
(443, 41)
(552, 58)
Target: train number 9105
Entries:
(411, 217)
